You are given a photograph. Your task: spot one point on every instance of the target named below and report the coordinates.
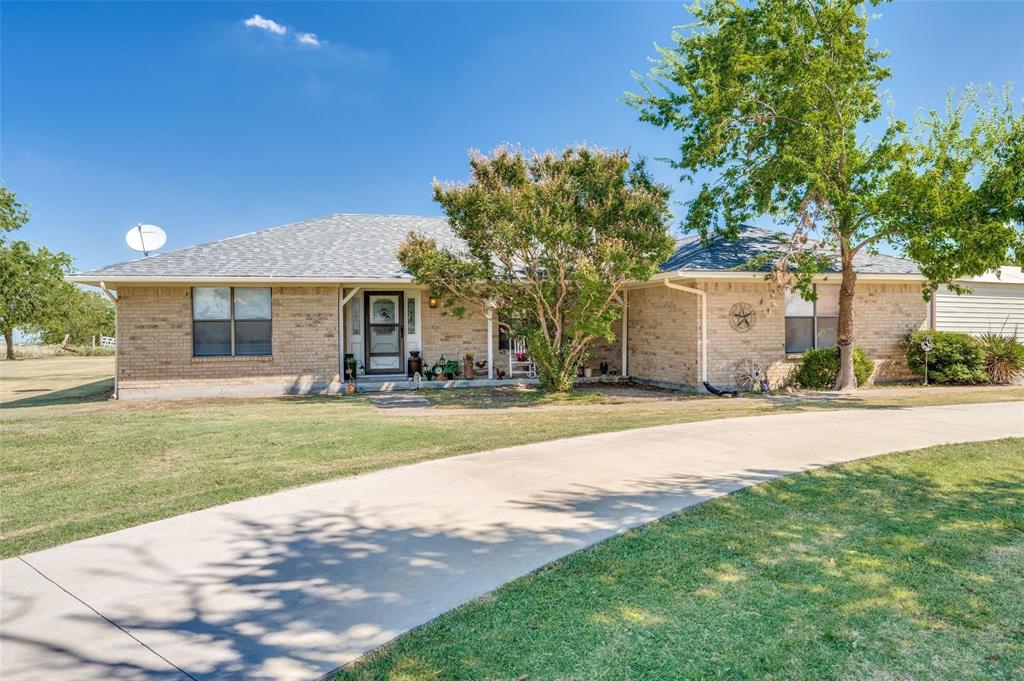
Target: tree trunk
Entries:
(9, 339)
(557, 368)
(847, 379)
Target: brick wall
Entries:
(663, 332)
(445, 334)
(605, 351)
(154, 334)
(883, 315)
(664, 328)
(763, 343)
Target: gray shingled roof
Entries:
(345, 246)
(735, 254)
(340, 246)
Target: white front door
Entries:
(384, 333)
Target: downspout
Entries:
(703, 324)
(117, 333)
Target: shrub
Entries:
(819, 368)
(1002, 357)
(956, 357)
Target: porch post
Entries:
(625, 333)
(489, 313)
(341, 335)
(342, 300)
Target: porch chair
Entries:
(524, 367)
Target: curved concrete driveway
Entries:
(294, 584)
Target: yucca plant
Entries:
(1003, 357)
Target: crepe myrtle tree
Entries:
(775, 102)
(550, 241)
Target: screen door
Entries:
(383, 324)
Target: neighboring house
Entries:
(995, 304)
(275, 311)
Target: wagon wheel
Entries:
(748, 374)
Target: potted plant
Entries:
(450, 370)
(467, 366)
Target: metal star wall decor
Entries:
(742, 317)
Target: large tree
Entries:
(776, 102)
(80, 316)
(550, 241)
(32, 285)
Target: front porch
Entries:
(381, 326)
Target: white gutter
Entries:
(250, 281)
(759, 276)
(703, 324)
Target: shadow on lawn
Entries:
(97, 391)
(300, 594)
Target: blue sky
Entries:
(183, 116)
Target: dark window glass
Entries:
(799, 334)
(252, 337)
(211, 338)
(828, 332)
(503, 338)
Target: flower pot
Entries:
(587, 372)
(467, 369)
(350, 388)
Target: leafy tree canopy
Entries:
(32, 285)
(776, 98)
(13, 214)
(81, 315)
(550, 241)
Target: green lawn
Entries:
(907, 566)
(72, 468)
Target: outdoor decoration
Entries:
(414, 364)
(927, 345)
(742, 317)
(719, 392)
(467, 366)
(749, 375)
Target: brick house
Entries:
(276, 311)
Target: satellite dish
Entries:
(145, 238)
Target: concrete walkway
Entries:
(294, 584)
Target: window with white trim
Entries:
(228, 321)
(812, 323)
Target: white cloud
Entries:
(308, 39)
(256, 21)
